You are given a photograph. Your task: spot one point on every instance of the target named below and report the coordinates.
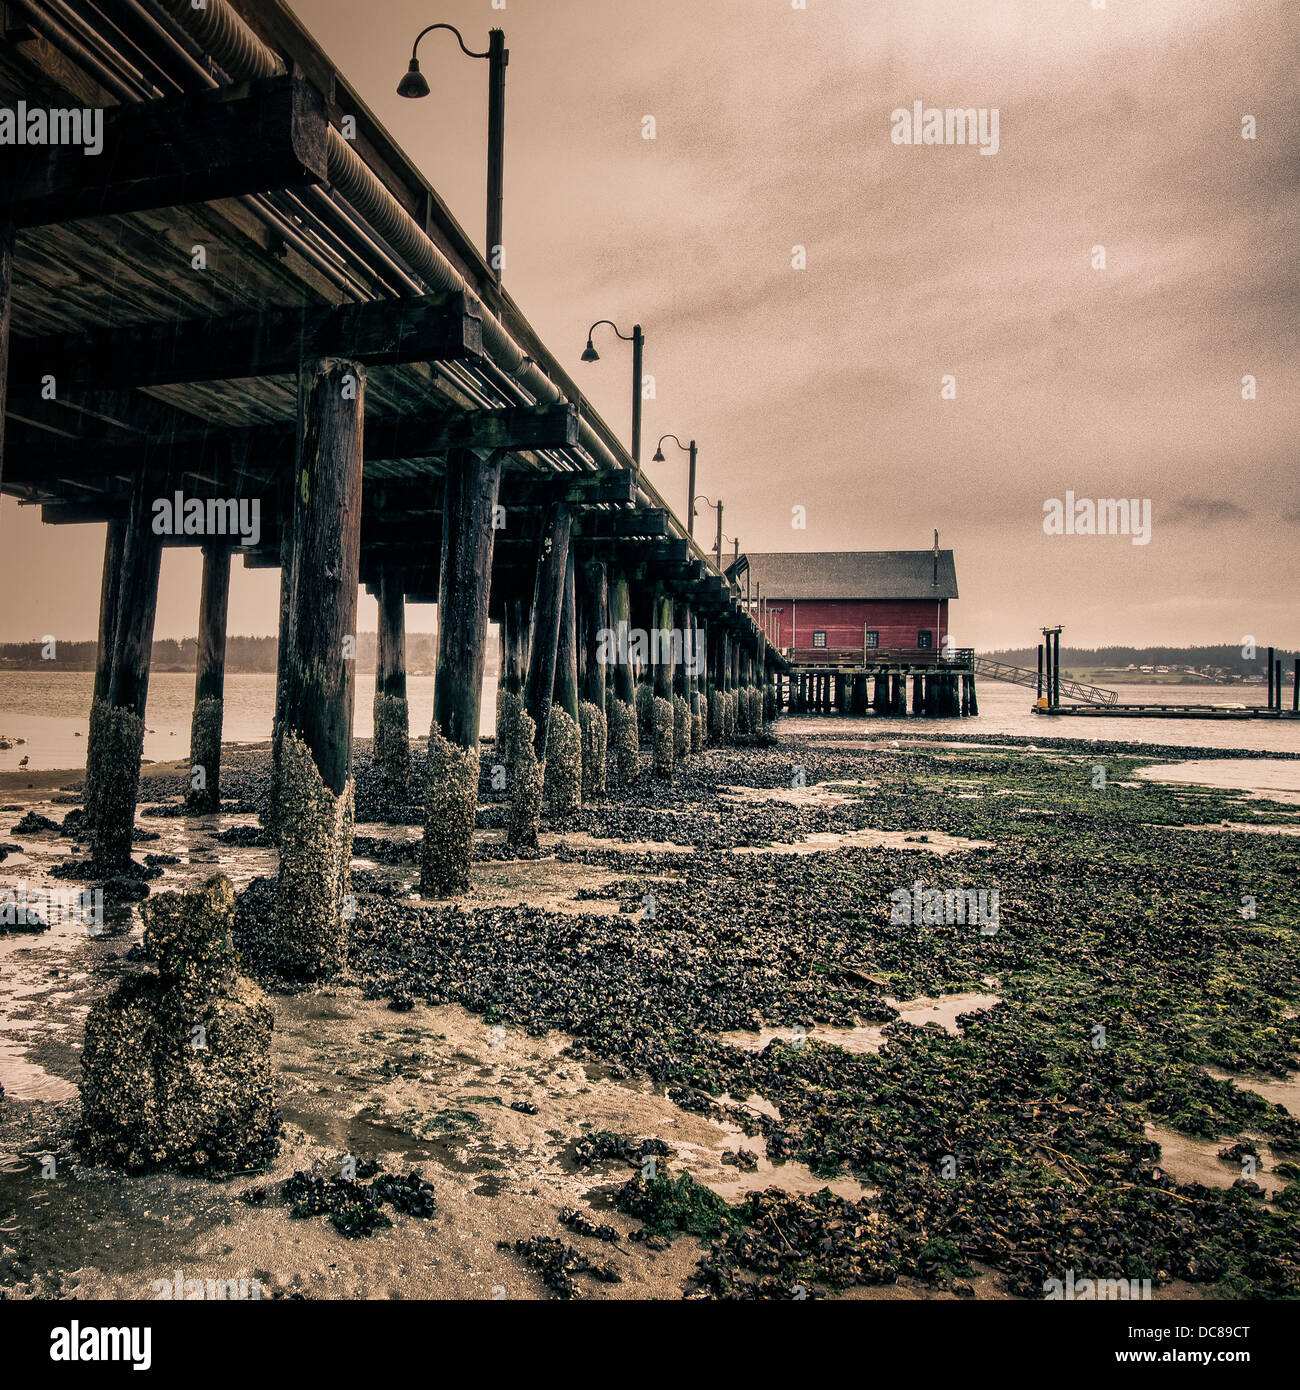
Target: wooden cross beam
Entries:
(220, 452)
(433, 328)
(257, 137)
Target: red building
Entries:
(854, 607)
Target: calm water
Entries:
(50, 709)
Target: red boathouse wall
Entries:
(898, 621)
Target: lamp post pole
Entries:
(498, 57)
(414, 85)
(638, 357)
(637, 340)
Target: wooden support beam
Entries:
(113, 777)
(548, 600)
(392, 720)
(595, 620)
(308, 934)
(435, 328)
(514, 645)
(6, 298)
(203, 795)
(648, 523)
(181, 445)
(620, 617)
(256, 137)
(451, 787)
(566, 651)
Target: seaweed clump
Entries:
(669, 1206)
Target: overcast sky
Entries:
(820, 388)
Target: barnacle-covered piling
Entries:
(563, 777)
(203, 792)
(450, 805)
(392, 752)
(645, 710)
(681, 729)
(699, 724)
(308, 933)
(113, 780)
(623, 739)
(526, 775)
(595, 739)
(663, 738)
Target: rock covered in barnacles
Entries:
(663, 739)
(563, 779)
(451, 803)
(595, 740)
(176, 1067)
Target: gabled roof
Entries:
(852, 574)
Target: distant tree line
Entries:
(243, 654)
(1224, 658)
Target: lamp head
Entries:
(589, 353)
(659, 455)
(413, 83)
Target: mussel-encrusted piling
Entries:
(119, 722)
(203, 794)
(314, 813)
(392, 748)
(548, 600)
(470, 491)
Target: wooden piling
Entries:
(469, 499)
(1295, 688)
(315, 795)
(109, 594)
(624, 736)
(539, 688)
(392, 719)
(203, 794)
(6, 297)
(119, 745)
(271, 808)
(1040, 670)
(1270, 678)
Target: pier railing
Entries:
(1018, 675)
(869, 658)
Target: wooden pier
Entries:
(252, 299)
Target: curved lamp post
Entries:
(589, 354)
(717, 545)
(690, 487)
(413, 84)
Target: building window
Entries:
(925, 640)
(873, 639)
(819, 639)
